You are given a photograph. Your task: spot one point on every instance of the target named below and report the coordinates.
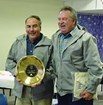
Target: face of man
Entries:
(65, 22)
(33, 28)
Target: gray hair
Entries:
(35, 17)
(72, 11)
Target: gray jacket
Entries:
(42, 50)
(80, 55)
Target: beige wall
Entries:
(13, 14)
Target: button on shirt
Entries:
(30, 45)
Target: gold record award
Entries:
(30, 70)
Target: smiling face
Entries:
(65, 21)
(33, 28)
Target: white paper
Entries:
(6, 79)
(80, 84)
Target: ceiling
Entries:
(86, 6)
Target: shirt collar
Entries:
(72, 33)
(35, 41)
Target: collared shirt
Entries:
(30, 45)
(63, 41)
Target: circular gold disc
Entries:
(30, 70)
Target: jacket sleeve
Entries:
(50, 72)
(11, 61)
(92, 62)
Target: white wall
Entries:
(13, 14)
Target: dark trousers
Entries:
(101, 81)
(68, 100)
